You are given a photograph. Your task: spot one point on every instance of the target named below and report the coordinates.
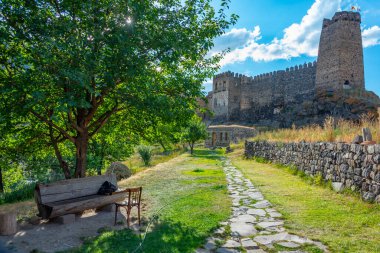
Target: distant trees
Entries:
(69, 67)
(195, 132)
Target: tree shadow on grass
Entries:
(166, 237)
(209, 154)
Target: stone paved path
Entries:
(255, 226)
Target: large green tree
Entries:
(73, 64)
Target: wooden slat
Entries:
(72, 188)
(95, 201)
(80, 199)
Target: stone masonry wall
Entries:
(356, 166)
(340, 54)
(264, 96)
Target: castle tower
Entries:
(340, 56)
(226, 96)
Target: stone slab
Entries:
(262, 204)
(269, 239)
(288, 244)
(231, 244)
(248, 243)
(258, 212)
(267, 224)
(225, 250)
(243, 229)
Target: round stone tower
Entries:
(340, 56)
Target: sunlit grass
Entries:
(189, 197)
(333, 130)
(135, 163)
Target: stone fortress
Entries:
(304, 94)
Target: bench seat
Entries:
(73, 196)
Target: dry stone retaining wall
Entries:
(356, 166)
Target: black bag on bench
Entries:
(107, 188)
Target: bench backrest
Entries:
(71, 188)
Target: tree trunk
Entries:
(100, 166)
(191, 147)
(1, 182)
(162, 145)
(81, 145)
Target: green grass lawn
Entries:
(342, 221)
(136, 164)
(188, 194)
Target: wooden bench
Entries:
(73, 196)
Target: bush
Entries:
(146, 154)
(23, 191)
(120, 170)
(318, 179)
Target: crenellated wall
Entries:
(355, 166)
(283, 85)
(239, 97)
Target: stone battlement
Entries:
(244, 78)
(342, 16)
(230, 74)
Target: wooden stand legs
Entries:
(128, 213)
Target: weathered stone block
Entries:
(338, 186)
(368, 196)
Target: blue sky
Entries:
(276, 34)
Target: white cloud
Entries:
(207, 85)
(371, 36)
(236, 38)
(298, 39)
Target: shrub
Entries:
(318, 179)
(23, 191)
(146, 154)
(261, 159)
(121, 170)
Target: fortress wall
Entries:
(299, 83)
(258, 91)
(279, 87)
(355, 166)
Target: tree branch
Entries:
(73, 123)
(102, 120)
(50, 123)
